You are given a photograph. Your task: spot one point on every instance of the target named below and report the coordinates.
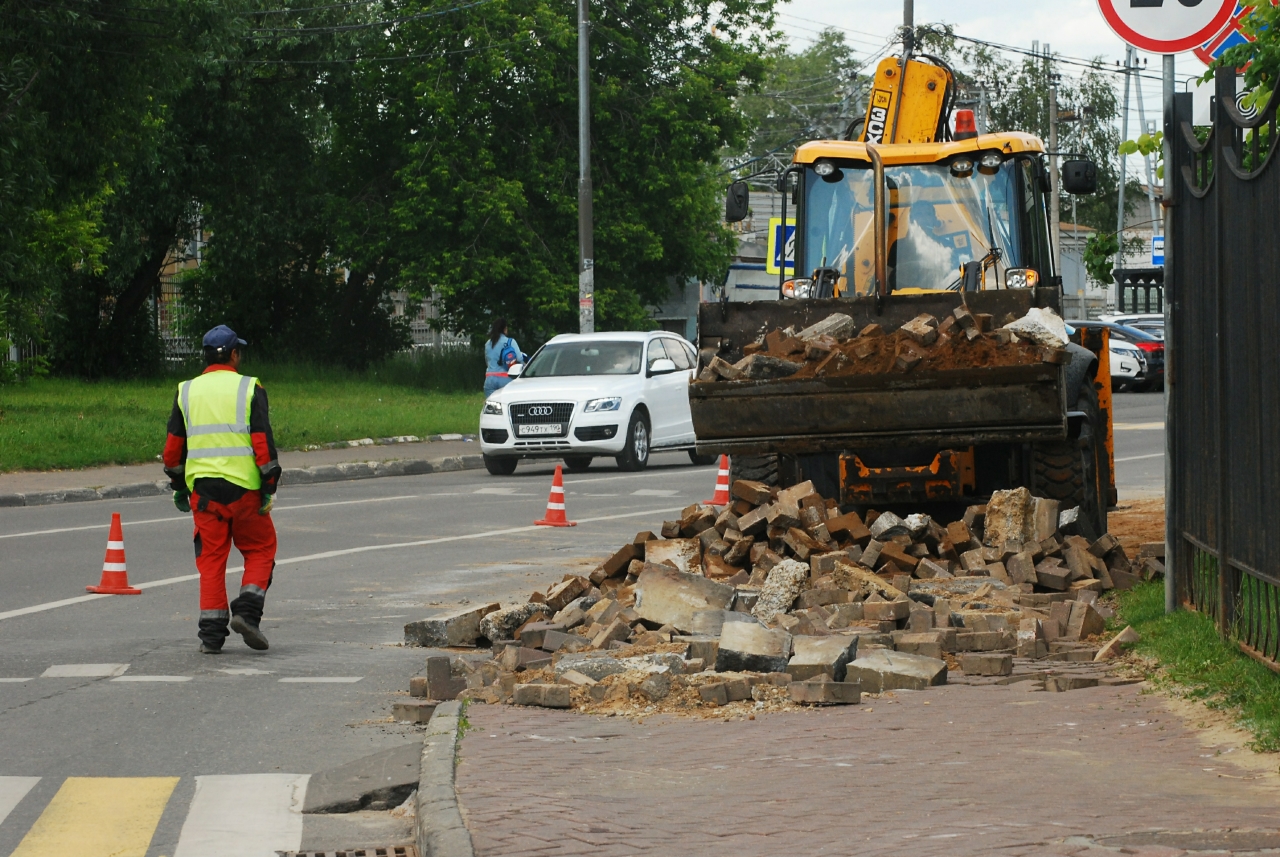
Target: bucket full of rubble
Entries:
(829, 384)
(781, 599)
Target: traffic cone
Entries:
(115, 580)
(722, 485)
(555, 505)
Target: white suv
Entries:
(582, 396)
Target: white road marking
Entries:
(653, 492)
(506, 491)
(84, 670)
(249, 815)
(80, 599)
(1138, 426)
(246, 671)
(13, 680)
(1140, 457)
(152, 678)
(331, 679)
(187, 518)
(12, 791)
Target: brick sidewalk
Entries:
(951, 771)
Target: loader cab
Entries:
(961, 215)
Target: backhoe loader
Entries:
(919, 214)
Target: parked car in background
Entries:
(583, 396)
(1152, 323)
(1124, 341)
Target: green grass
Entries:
(1202, 664)
(55, 423)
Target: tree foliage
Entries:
(332, 155)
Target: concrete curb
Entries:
(344, 472)
(440, 830)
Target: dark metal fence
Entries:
(1139, 289)
(1222, 376)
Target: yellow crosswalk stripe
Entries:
(99, 817)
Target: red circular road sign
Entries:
(1167, 26)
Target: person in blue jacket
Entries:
(500, 353)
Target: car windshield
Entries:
(560, 359)
(937, 222)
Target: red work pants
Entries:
(217, 527)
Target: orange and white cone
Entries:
(555, 505)
(722, 485)
(115, 580)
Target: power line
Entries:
(380, 24)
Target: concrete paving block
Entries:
(826, 692)
(883, 669)
(667, 596)
(457, 628)
(821, 656)
(751, 647)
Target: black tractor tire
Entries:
(503, 465)
(1076, 471)
(701, 460)
(635, 455)
(754, 468)
(577, 463)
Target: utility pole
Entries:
(1124, 135)
(1055, 204)
(586, 253)
(1146, 159)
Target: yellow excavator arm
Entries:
(908, 102)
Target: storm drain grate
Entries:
(377, 851)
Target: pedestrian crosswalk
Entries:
(248, 815)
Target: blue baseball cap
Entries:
(222, 337)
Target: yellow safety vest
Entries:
(215, 407)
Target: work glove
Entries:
(268, 501)
(182, 501)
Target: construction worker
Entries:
(221, 460)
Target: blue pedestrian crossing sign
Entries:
(780, 242)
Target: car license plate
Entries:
(540, 428)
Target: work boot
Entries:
(246, 615)
(253, 636)
(213, 631)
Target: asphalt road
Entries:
(357, 560)
(1139, 444)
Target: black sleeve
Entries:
(264, 441)
(175, 449)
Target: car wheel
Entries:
(635, 455)
(577, 463)
(701, 460)
(500, 465)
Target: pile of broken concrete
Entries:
(834, 347)
(782, 598)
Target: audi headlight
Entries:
(494, 408)
(597, 405)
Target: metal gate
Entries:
(1223, 374)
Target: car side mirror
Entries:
(737, 202)
(664, 366)
(1079, 177)
(514, 370)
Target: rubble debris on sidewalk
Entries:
(760, 604)
(833, 349)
